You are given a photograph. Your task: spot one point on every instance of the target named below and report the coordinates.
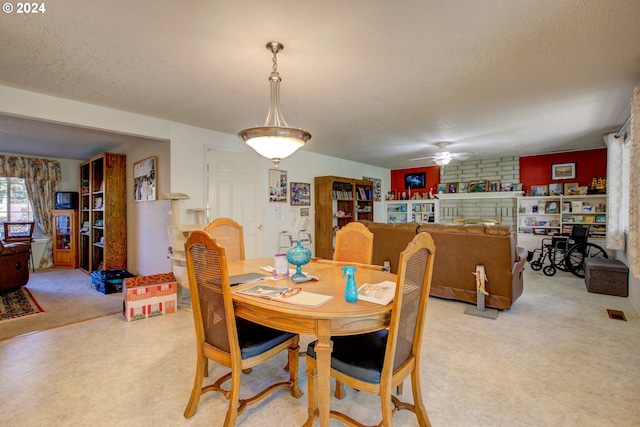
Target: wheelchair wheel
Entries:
(558, 261)
(549, 270)
(574, 260)
(536, 265)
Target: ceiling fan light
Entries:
(443, 161)
(275, 140)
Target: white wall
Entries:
(148, 222)
(181, 169)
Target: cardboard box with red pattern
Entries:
(149, 296)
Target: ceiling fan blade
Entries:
(421, 158)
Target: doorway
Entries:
(235, 186)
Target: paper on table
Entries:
(379, 293)
(308, 299)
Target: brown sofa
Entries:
(14, 265)
(459, 248)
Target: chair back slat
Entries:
(206, 259)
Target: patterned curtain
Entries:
(634, 187)
(616, 214)
(41, 177)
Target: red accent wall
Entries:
(432, 175)
(536, 170)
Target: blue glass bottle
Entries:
(350, 289)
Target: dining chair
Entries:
(354, 243)
(20, 232)
(376, 362)
(232, 342)
(229, 234)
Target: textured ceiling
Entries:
(373, 81)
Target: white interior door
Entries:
(234, 190)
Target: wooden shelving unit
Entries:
(338, 202)
(103, 213)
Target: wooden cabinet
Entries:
(65, 238)
(103, 213)
(338, 202)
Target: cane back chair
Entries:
(377, 362)
(229, 341)
(354, 243)
(229, 234)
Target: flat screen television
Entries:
(415, 180)
(66, 200)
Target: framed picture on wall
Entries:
(145, 180)
(415, 181)
(277, 186)
(452, 187)
(463, 187)
(300, 194)
(494, 185)
(563, 171)
(442, 188)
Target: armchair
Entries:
(14, 264)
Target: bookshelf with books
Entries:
(338, 201)
(542, 216)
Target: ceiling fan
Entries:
(443, 156)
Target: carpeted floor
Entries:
(18, 303)
(555, 359)
(66, 297)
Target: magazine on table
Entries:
(285, 294)
(240, 279)
(378, 293)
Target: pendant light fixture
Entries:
(275, 140)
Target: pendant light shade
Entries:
(275, 140)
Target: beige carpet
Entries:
(66, 297)
(555, 359)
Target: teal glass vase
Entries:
(298, 255)
(350, 289)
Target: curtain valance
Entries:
(30, 168)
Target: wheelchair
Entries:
(566, 252)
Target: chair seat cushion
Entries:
(359, 356)
(255, 339)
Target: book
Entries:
(378, 293)
(240, 279)
(287, 295)
(280, 266)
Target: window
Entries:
(14, 202)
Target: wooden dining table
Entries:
(333, 318)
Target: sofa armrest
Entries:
(7, 249)
(517, 284)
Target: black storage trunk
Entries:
(109, 281)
